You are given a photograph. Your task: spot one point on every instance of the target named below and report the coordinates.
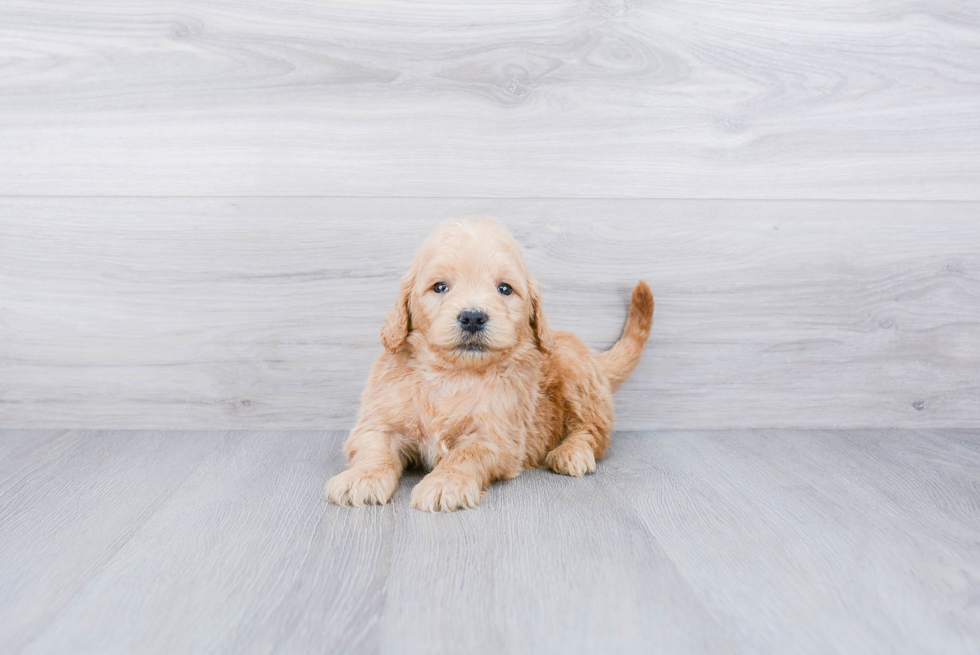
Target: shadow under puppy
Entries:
(474, 385)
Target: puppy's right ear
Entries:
(399, 321)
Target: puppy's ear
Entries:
(539, 326)
(399, 321)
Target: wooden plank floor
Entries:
(682, 542)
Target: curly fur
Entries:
(484, 407)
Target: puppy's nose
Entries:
(472, 320)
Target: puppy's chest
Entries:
(444, 412)
(443, 404)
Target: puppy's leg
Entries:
(459, 480)
(588, 423)
(576, 455)
(373, 472)
(587, 426)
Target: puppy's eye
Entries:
(505, 289)
(440, 287)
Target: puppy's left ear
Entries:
(399, 321)
(539, 325)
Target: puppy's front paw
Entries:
(359, 488)
(442, 493)
(569, 458)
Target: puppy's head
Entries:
(468, 297)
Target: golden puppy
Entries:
(473, 383)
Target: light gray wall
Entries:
(204, 208)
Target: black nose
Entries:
(472, 320)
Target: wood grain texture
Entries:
(532, 98)
(818, 542)
(253, 312)
(69, 501)
(246, 556)
(546, 578)
(878, 527)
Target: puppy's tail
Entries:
(620, 360)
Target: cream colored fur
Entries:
(520, 397)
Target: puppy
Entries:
(474, 385)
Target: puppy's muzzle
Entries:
(472, 320)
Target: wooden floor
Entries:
(682, 542)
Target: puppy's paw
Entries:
(360, 488)
(570, 458)
(442, 493)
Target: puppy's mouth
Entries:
(472, 347)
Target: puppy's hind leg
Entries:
(589, 422)
(577, 453)
(373, 473)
